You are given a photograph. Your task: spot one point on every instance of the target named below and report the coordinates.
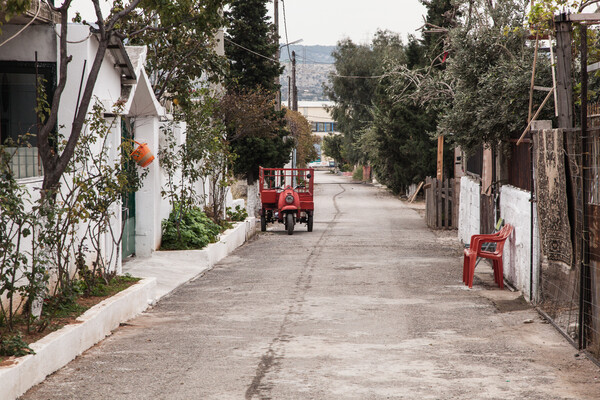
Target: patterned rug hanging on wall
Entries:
(551, 196)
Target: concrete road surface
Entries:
(368, 306)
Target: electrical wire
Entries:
(287, 39)
(251, 51)
(25, 27)
(76, 41)
(359, 77)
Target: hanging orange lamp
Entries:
(142, 155)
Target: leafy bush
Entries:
(14, 346)
(102, 288)
(358, 174)
(239, 214)
(346, 168)
(189, 230)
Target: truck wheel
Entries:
(263, 221)
(289, 223)
(309, 224)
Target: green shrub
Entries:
(239, 214)
(14, 346)
(188, 231)
(358, 174)
(346, 168)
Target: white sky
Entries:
(327, 21)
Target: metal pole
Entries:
(289, 92)
(277, 54)
(531, 220)
(585, 159)
(294, 100)
(294, 87)
(564, 85)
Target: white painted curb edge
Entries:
(230, 240)
(58, 348)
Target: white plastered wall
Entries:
(150, 208)
(40, 38)
(107, 91)
(43, 40)
(515, 209)
(469, 212)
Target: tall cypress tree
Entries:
(440, 13)
(251, 46)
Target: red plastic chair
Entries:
(475, 250)
(470, 249)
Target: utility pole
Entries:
(294, 100)
(564, 84)
(277, 54)
(290, 92)
(294, 87)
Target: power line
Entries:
(311, 61)
(274, 60)
(251, 51)
(287, 39)
(359, 77)
(25, 27)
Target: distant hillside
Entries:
(313, 65)
(309, 54)
(309, 79)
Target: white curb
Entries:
(58, 348)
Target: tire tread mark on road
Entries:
(276, 350)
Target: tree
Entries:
(354, 84)
(181, 44)
(255, 132)
(305, 140)
(490, 71)
(251, 44)
(53, 161)
(333, 146)
(399, 146)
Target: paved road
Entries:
(368, 306)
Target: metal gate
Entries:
(570, 288)
(128, 198)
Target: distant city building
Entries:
(317, 114)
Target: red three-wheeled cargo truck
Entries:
(286, 196)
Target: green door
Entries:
(128, 211)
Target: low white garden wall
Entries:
(515, 209)
(469, 212)
(58, 348)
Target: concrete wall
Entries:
(40, 38)
(108, 85)
(107, 91)
(43, 39)
(148, 199)
(515, 209)
(469, 213)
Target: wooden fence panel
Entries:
(441, 201)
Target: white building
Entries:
(33, 49)
(317, 114)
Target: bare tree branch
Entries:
(586, 4)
